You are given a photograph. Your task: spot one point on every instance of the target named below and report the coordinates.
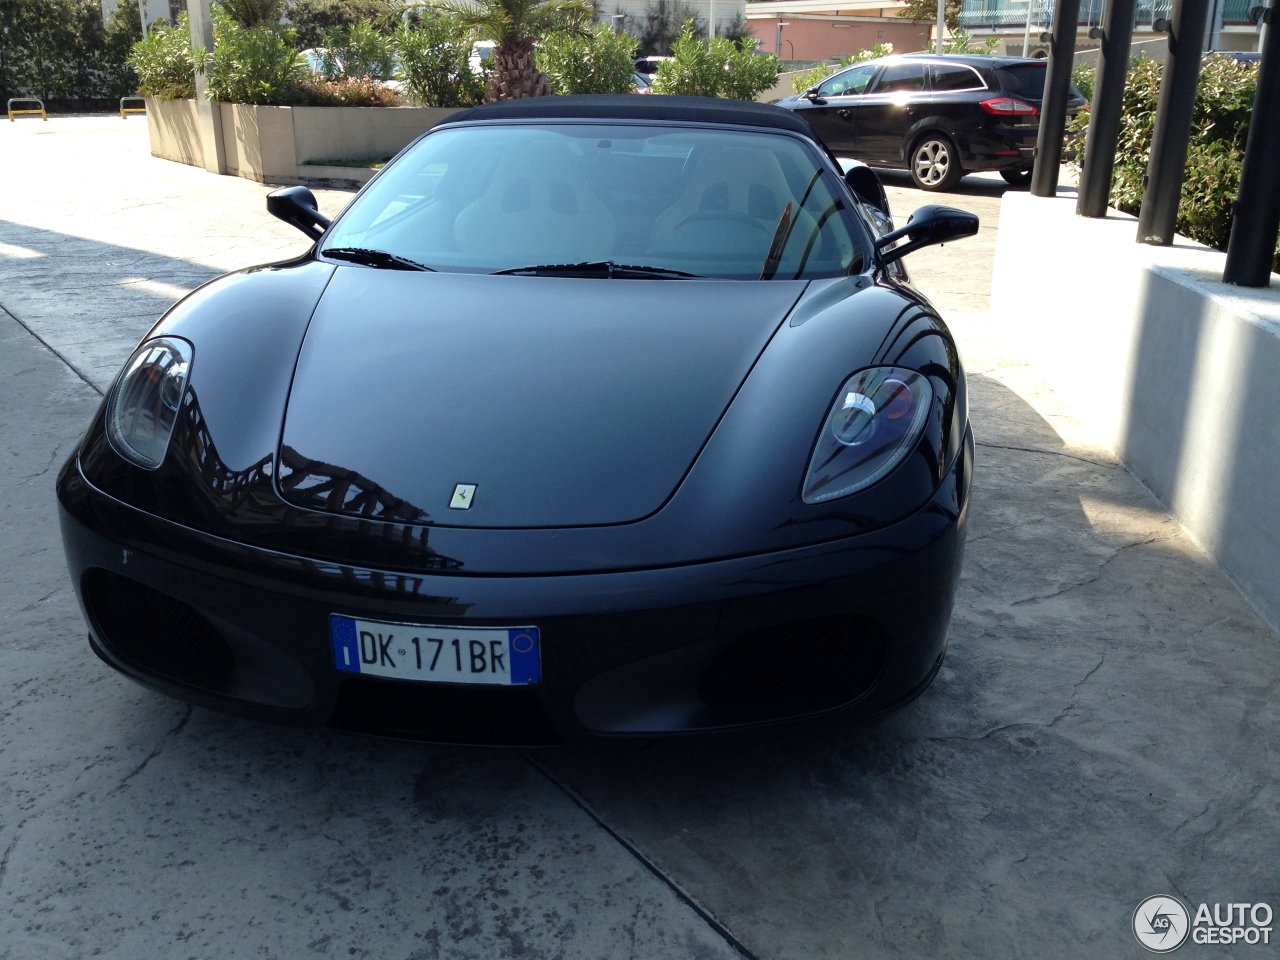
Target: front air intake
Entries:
(156, 632)
(794, 669)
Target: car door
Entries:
(833, 108)
(887, 111)
(955, 92)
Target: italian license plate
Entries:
(502, 656)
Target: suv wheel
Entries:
(935, 164)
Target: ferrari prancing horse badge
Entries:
(462, 495)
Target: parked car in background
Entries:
(649, 65)
(938, 117)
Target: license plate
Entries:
(502, 656)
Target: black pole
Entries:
(1257, 211)
(1158, 217)
(1053, 109)
(1106, 110)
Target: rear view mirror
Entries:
(928, 225)
(297, 207)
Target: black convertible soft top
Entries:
(629, 106)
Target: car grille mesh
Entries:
(157, 632)
(794, 669)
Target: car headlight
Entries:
(875, 422)
(143, 406)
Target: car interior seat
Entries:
(730, 207)
(538, 207)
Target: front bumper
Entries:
(856, 624)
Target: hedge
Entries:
(62, 50)
(1219, 129)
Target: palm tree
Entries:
(516, 25)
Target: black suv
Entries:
(938, 116)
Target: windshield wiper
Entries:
(598, 268)
(375, 258)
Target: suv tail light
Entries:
(1008, 107)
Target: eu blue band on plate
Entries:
(346, 648)
(525, 661)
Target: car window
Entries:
(1024, 79)
(849, 82)
(901, 78)
(722, 203)
(948, 77)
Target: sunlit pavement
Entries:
(1101, 730)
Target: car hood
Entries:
(564, 402)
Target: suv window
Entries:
(851, 81)
(1024, 79)
(901, 77)
(945, 77)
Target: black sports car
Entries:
(587, 417)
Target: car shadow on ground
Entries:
(979, 185)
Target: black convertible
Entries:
(588, 417)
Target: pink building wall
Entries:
(825, 38)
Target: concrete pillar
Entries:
(208, 112)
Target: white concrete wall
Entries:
(1178, 373)
(272, 144)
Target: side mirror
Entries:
(866, 186)
(812, 95)
(297, 207)
(928, 225)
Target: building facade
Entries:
(1229, 26)
(831, 29)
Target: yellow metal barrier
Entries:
(124, 111)
(18, 113)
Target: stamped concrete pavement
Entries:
(1100, 732)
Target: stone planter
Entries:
(273, 144)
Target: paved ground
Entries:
(1102, 730)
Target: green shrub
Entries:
(808, 79)
(253, 13)
(314, 18)
(347, 92)
(1219, 128)
(1082, 75)
(358, 50)
(165, 62)
(122, 31)
(60, 49)
(255, 66)
(598, 61)
(433, 54)
(715, 68)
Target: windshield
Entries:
(708, 202)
